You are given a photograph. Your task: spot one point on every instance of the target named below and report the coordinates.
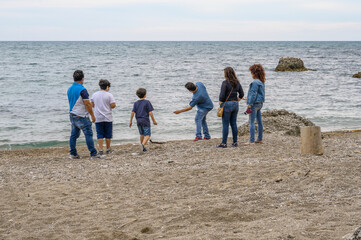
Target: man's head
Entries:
(78, 76)
(141, 92)
(104, 84)
(191, 87)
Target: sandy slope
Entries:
(184, 190)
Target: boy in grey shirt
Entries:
(103, 102)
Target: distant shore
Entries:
(184, 190)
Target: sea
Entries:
(35, 76)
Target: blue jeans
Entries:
(256, 114)
(229, 117)
(202, 123)
(84, 124)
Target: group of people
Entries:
(81, 106)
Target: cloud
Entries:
(201, 31)
(181, 20)
(310, 4)
(338, 6)
(107, 3)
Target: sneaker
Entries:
(222, 145)
(143, 148)
(100, 152)
(235, 144)
(96, 156)
(74, 156)
(109, 151)
(197, 139)
(207, 138)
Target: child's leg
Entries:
(145, 140)
(108, 133)
(141, 139)
(100, 134)
(107, 142)
(100, 143)
(146, 135)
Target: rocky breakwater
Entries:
(357, 75)
(291, 64)
(279, 121)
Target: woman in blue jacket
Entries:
(255, 100)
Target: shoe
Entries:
(143, 148)
(222, 145)
(235, 144)
(259, 142)
(197, 139)
(100, 152)
(74, 156)
(109, 151)
(96, 156)
(206, 138)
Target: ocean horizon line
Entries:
(221, 41)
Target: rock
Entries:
(353, 236)
(281, 120)
(290, 64)
(146, 230)
(357, 75)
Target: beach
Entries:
(184, 190)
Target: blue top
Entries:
(201, 98)
(142, 108)
(256, 92)
(74, 92)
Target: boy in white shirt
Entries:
(103, 102)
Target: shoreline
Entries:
(82, 143)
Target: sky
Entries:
(180, 20)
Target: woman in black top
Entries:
(232, 88)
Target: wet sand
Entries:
(184, 190)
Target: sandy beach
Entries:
(184, 190)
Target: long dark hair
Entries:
(230, 76)
(258, 72)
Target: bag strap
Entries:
(228, 96)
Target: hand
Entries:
(177, 112)
(245, 98)
(155, 123)
(249, 106)
(130, 124)
(93, 118)
(239, 99)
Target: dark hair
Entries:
(190, 86)
(103, 84)
(141, 92)
(230, 76)
(78, 75)
(258, 72)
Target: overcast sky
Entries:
(182, 20)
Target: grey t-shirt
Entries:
(102, 109)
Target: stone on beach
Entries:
(290, 64)
(275, 120)
(357, 75)
(353, 236)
